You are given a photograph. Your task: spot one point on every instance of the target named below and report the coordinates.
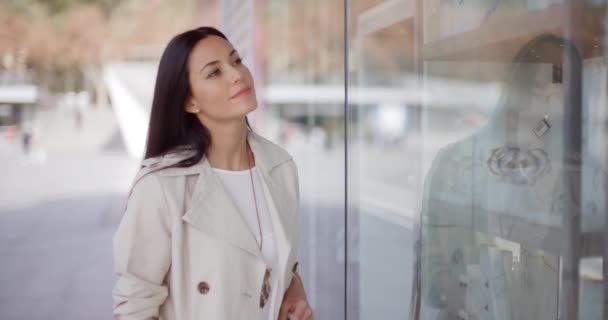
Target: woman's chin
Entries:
(243, 111)
(251, 107)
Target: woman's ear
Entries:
(191, 107)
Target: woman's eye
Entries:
(238, 61)
(214, 73)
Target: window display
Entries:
(498, 204)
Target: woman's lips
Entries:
(245, 91)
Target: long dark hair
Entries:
(171, 127)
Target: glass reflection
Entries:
(501, 207)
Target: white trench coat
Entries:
(182, 250)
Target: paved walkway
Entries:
(59, 207)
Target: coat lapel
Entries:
(213, 211)
(279, 206)
(276, 206)
(267, 157)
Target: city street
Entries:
(59, 208)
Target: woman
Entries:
(211, 225)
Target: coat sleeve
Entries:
(142, 253)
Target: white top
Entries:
(238, 186)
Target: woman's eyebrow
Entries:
(216, 61)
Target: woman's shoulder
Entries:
(155, 166)
(167, 159)
(273, 153)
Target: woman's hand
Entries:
(295, 302)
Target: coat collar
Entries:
(267, 156)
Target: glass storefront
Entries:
(452, 153)
(483, 157)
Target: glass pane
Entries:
(383, 173)
(515, 195)
(477, 164)
(302, 59)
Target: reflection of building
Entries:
(17, 98)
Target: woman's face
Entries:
(216, 75)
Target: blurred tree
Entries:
(307, 40)
(58, 7)
(65, 43)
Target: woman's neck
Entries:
(228, 149)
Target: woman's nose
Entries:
(236, 74)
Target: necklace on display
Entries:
(522, 166)
(543, 125)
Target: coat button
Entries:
(203, 287)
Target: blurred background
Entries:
(453, 161)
